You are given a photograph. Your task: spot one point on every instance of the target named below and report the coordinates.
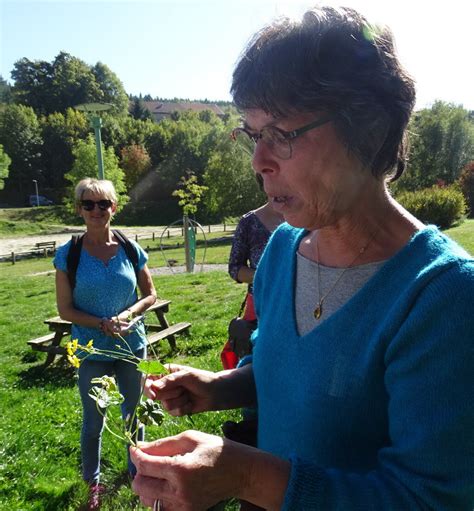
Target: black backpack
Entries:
(74, 254)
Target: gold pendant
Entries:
(318, 311)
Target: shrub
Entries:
(466, 182)
(439, 206)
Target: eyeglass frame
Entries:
(102, 204)
(287, 135)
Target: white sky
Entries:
(187, 49)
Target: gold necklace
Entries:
(318, 311)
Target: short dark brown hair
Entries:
(332, 61)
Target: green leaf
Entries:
(150, 413)
(105, 398)
(152, 367)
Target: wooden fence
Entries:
(38, 250)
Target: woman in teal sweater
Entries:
(363, 367)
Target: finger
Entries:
(174, 368)
(152, 466)
(178, 378)
(149, 392)
(165, 394)
(169, 446)
(178, 407)
(150, 488)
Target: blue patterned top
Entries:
(104, 290)
(249, 242)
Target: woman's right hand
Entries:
(184, 391)
(114, 326)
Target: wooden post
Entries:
(153, 235)
(136, 238)
(209, 228)
(224, 226)
(168, 232)
(13, 258)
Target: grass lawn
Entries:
(40, 410)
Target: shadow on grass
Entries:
(59, 374)
(52, 501)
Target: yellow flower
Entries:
(71, 347)
(73, 360)
(89, 344)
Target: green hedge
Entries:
(439, 206)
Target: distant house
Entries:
(162, 110)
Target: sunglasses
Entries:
(89, 205)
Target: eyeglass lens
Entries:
(273, 139)
(103, 204)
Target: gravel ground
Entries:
(26, 243)
(165, 270)
(198, 268)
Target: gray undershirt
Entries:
(307, 294)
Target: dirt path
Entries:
(25, 243)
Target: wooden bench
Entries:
(51, 343)
(43, 343)
(167, 333)
(45, 247)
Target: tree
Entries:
(65, 82)
(139, 111)
(85, 165)
(4, 167)
(232, 187)
(111, 88)
(5, 92)
(466, 182)
(60, 133)
(121, 131)
(20, 136)
(177, 144)
(135, 161)
(442, 142)
(189, 193)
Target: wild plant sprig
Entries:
(105, 393)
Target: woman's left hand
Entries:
(192, 470)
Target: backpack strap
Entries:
(129, 248)
(73, 256)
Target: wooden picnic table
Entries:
(60, 328)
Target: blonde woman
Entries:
(99, 301)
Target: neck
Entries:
(99, 236)
(269, 217)
(377, 224)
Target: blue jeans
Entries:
(129, 382)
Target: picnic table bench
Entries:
(60, 328)
(45, 247)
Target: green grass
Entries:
(40, 410)
(42, 220)
(463, 234)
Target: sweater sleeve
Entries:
(428, 462)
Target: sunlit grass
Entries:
(40, 410)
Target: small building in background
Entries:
(162, 110)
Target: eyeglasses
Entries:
(103, 204)
(276, 139)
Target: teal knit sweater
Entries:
(374, 407)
